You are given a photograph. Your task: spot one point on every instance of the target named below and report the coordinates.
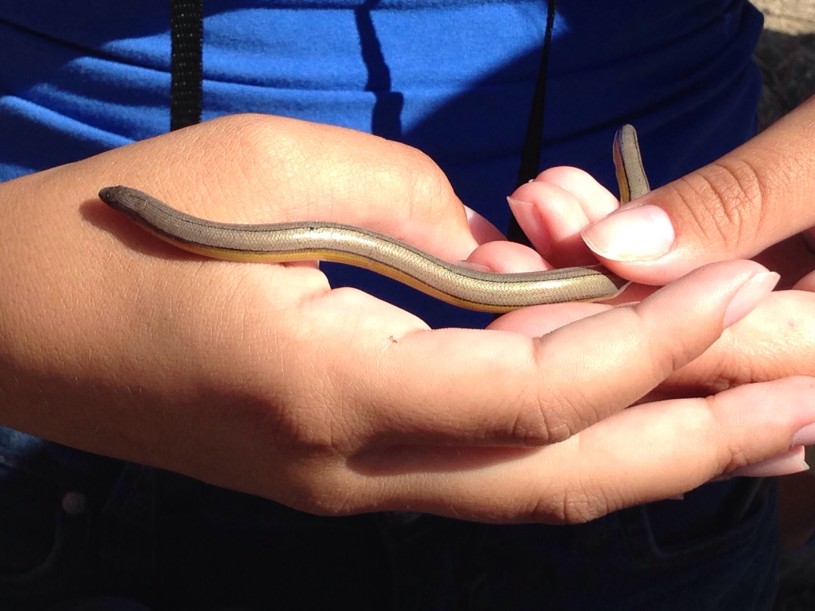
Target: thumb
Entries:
(753, 197)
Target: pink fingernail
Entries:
(641, 233)
(749, 296)
(792, 461)
(520, 203)
(527, 216)
(523, 210)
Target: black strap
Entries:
(187, 33)
(533, 142)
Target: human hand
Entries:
(262, 378)
(754, 202)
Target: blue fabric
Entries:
(96, 73)
(105, 67)
(454, 78)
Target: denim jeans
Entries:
(74, 526)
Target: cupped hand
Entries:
(263, 378)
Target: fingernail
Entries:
(641, 233)
(749, 295)
(476, 267)
(522, 209)
(528, 218)
(805, 436)
(787, 463)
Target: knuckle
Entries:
(573, 505)
(562, 418)
(669, 354)
(580, 507)
(725, 201)
(315, 433)
(735, 370)
(726, 445)
(733, 458)
(325, 495)
(558, 411)
(546, 423)
(554, 415)
(543, 424)
(250, 135)
(308, 427)
(664, 352)
(253, 147)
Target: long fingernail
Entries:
(787, 463)
(641, 233)
(749, 295)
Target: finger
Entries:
(507, 257)
(751, 198)
(482, 229)
(593, 198)
(807, 283)
(647, 453)
(692, 441)
(791, 258)
(502, 387)
(555, 207)
(774, 341)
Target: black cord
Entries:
(533, 142)
(187, 36)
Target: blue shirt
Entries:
(452, 77)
